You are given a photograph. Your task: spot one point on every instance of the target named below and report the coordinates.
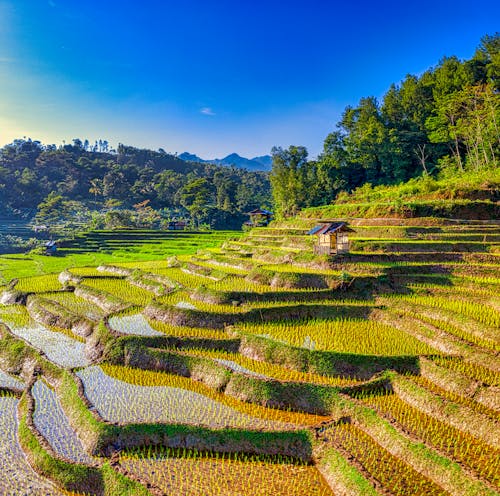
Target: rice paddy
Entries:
(236, 367)
(362, 337)
(7, 381)
(134, 324)
(53, 425)
(165, 404)
(58, 347)
(203, 474)
(16, 475)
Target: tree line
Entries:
(446, 120)
(123, 187)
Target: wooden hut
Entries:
(50, 248)
(333, 238)
(178, 225)
(259, 218)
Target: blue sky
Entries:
(215, 77)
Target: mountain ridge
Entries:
(261, 163)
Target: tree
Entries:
(119, 218)
(365, 132)
(492, 46)
(479, 125)
(335, 173)
(96, 187)
(289, 179)
(115, 184)
(443, 126)
(53, 210)
(196, 197)
(225, 190)
(167, 184)
(146, 216)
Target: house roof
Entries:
(330, 228)
(50, 244)
(260, 211)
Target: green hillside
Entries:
(460, 196)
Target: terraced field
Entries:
(252, 366)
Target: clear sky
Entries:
(215, 77)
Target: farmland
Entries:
(140, 362)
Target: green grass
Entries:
(464, 185)
(84, 253)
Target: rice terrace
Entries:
(251, 363)
(319, 320)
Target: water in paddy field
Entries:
(16, 475)
(133, 324)
(54, 426)
(59, 348)
(111, 398)
(8, 381)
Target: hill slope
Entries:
(466, 196)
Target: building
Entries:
(178, 225)
(50, 248)
(259, 218)
(333, 238)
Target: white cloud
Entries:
(207, 111)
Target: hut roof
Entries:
(330, 228)
(50, 244)
(260, 211)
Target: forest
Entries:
(442, 123)
(128, 187)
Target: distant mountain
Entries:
(262, 163)
(190, 157)
(265, 160)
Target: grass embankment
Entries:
(146, 354)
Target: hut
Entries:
(178, 225)
(50, 248)
(259, 218)
(333, 238)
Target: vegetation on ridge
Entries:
(443, 123)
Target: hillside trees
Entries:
(30, 171)
(446, 120)
(469, 120)
(290, 179)
(55, 209)
(197, 197)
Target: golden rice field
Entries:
(203, 474)
(363, 337)
(256, 368)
